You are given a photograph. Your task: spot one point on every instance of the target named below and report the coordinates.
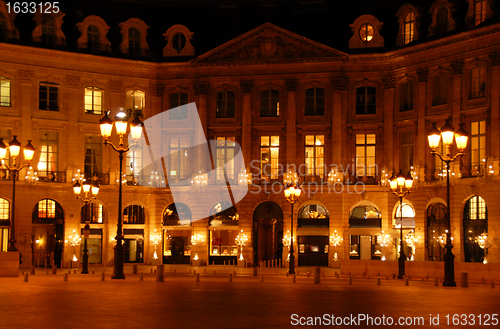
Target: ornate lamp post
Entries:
(484, 243)
(121, 124)
(195, 239)
(335, 240)
(292, 194)
(396, 182)
(93, 190)
(155, 239)
(74, 240)
(241, 240)
(434, 135)
(384, 240)
(411, 240)
(14, 148)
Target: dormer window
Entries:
(479, 11)
(409, 28)
(48, 31)
(134, 43)
(366, 32)
(409, 23)
(442, 20)
(442, 13)
(93, 39)
(179, 41)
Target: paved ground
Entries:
(84, 301)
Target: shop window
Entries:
(177, 214)
(223, 242)
(477, 82)
(315, 155)
(223, 214)
(365, 155)
(270, 103)
(225, 104)
(4, 210)
(313, 216)
(94, 245)
(134, 214)
(4, 92)
(408, 216)
(48, 99)
(475, 223)
(225, 149)
(315, 102)
(269, 157)
(93, 213)
(365, 247)
(477, 145)
(135, 102)
(366, 100)
(93, 100)
(365, 216)
(176, 100)
(177, 246)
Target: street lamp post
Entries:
(434, 135)
(14, 148)
(398, 182)
(94, 190)
(292, 194)
(121, 123)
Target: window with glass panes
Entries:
(407, 92)
(477, 82)
(440, 89)
(366, 100)
(366, 32)
(477, 144)
(93, 39)
(315, 102)
(48, 30)
(315, 155)
(4, 239)
(4, 91)
(134, 162)
(269, 157)
(92, 212)
(477, 208)
(3, 28)
(179, 167)
(479, 11)
(225, 104)
(5, 135)
(48, 96)
(442, 20)
(365, 155)
(225, 150)
(4, 209)
(176, 100)
(270, 103)
(134, 42)
(49, 148)
(406, 161)
(93, 100)
(179, 41)
(223, 242)
(93, 154)
(409, 27)
(46, 208)
(135, 101)
(134, 214)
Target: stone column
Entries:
(246, 121)
(495, 104)
(423, 152)
(391, 157)
(291, 122)
(156, 92)
(201, 90)
(456, 102)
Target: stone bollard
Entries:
(154, 272)
(134, 269)
(492, 283)
(323, 274)
(378, 281)
(316, 275)
(286, 273)
(297, 272)
(32, 270)
(160, 272)
(25, 277)
(407, 281)
(103, 277)
(54, 268)
(349, 279)
(464, 280)
(436, 282)
(337, 275)
(230, 278)
(141, 278)
(308, 274)
(393, 276)
(255, 271)
(65, 276)
(197, 277)
(151, 272)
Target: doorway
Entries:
(267, 232)
(47, 233)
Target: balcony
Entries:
(477, 94)
(52, 176)
(101, 179)
(5, 175)
(439, 100)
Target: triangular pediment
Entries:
(270, 43)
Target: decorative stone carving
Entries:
(457, 67)
(246, 86)
(423, 74)
(291, 85)
(156, 89)
(389, 81)
(26, 76)
(115, 86)
(72, 81)
(201, 88)
(340, 83)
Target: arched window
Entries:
(365, 216)
(442, 20)
(408, 216)
(366, 32)
(409, 27)
(92, 212)
(475, 223)
(93, 39)
(437, 224)
(479, 11)
(313, 215)
(48, 31)
(177, 214)
(134, 214)
(179, 41)
(4, 209)
(224, 213)
(134, 42)
(47, 211)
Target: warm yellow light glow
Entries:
(14, 147)
(3, 149)
(447, 132)
(400, 179)
(29, 151)
(393, 182)
(106, 125)
(95, 189)
(86, 187)
(121, 123)
(434, 136)
(77, 188)
(408, 181)
(136, 128)
(461, 137)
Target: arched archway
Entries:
(267, 232)
(47, 232)
(437, 224)
(475, 223)
(177, 234)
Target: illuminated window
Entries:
(437, 224)
(270, 103)
(135, 101)
(93, 100)
(223, 242)
(134, 214)
(365, 216)
(179, 166)
(269, 157)
(4, 91)
(46, 208)
(313, 215)
(4, 209)
(49, 145)
(315, 102)
(177, 214)
(176, 100)
(366, 32)
(225, 150)
(48, 99)
(315, 155)
(477, 82)
(93, 155)
(409, 27)
(92, 212)
(407, 93)
(365, 155)
(440, 89)
(93, 39)
(408, 216)
(479, 11)
(477, 208)
(475, 223)
(134, 43)
(225, 104)
(134, 163)
(366, 100)
(477, 144)
(4, 239)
